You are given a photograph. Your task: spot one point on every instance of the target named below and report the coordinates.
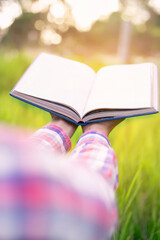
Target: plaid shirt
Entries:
(45, 194)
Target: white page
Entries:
(121, 87)
(155, 88)
(58, 79)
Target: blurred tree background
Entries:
(98, 33)
(126, 30)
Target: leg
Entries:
(55, 136)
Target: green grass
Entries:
(136, 142)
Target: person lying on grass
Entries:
(48, 194)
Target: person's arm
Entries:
(94, 149)
(55, 136)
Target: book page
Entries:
(155, 88)
(59, 80)
(121, 87)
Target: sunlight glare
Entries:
(57, 9)
(49, 37)
(136, 13)
(8, 14)
(86, 12)
(155, 4)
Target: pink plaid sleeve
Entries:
(46, 196)
(53, 138)
(93, 148)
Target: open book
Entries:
(73, 90)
